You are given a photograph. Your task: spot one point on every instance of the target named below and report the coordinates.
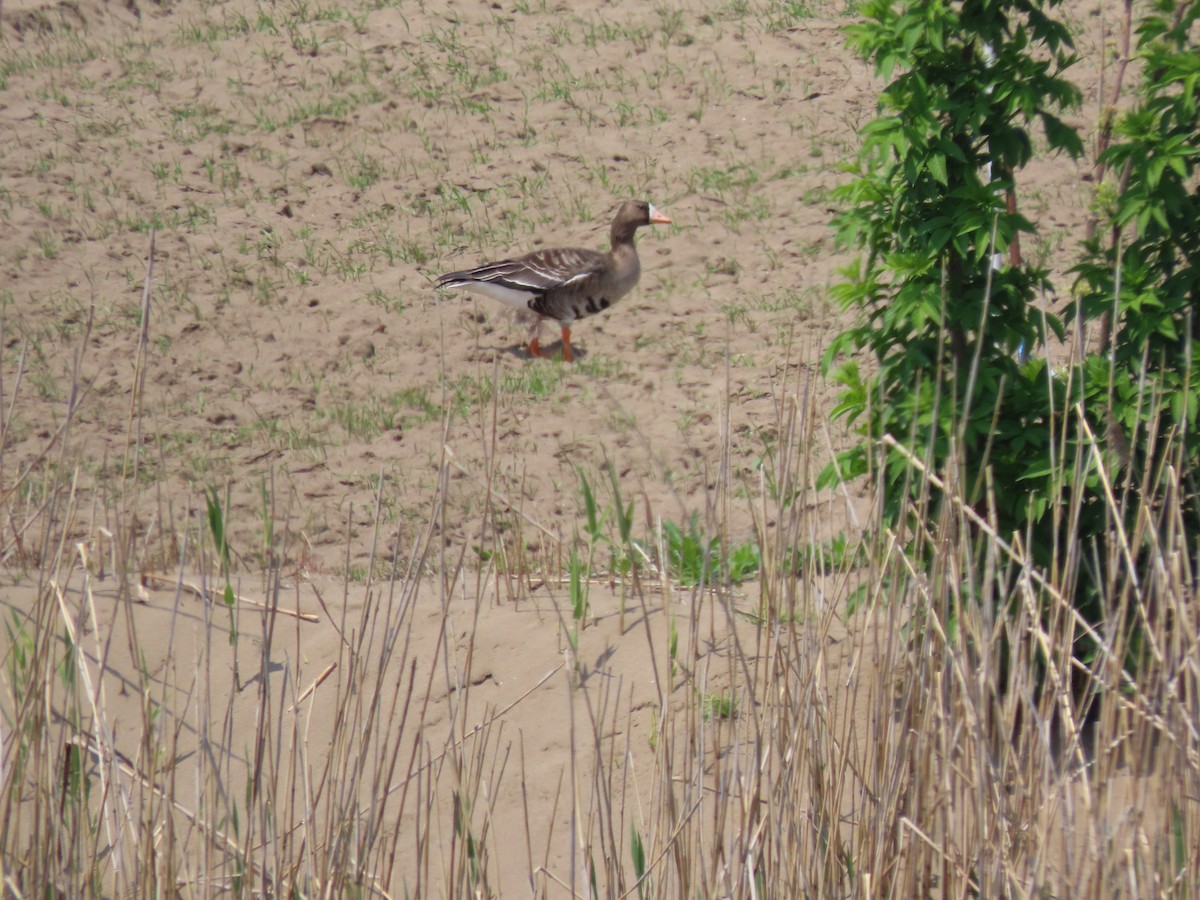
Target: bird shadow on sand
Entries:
(550, 352)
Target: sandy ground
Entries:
(294, 332)
(306, 171)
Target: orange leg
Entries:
(534, 349)
(568, 356)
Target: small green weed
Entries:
(693, 558)
(719, 706)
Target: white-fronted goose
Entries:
(564, 284)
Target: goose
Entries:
(564, 283)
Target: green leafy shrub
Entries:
(929, 207)
(1035, 452)
(1139, 391)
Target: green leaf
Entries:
(216, 525)
(936, 165)
(638, 853)
(577, 592)
(595, 523)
